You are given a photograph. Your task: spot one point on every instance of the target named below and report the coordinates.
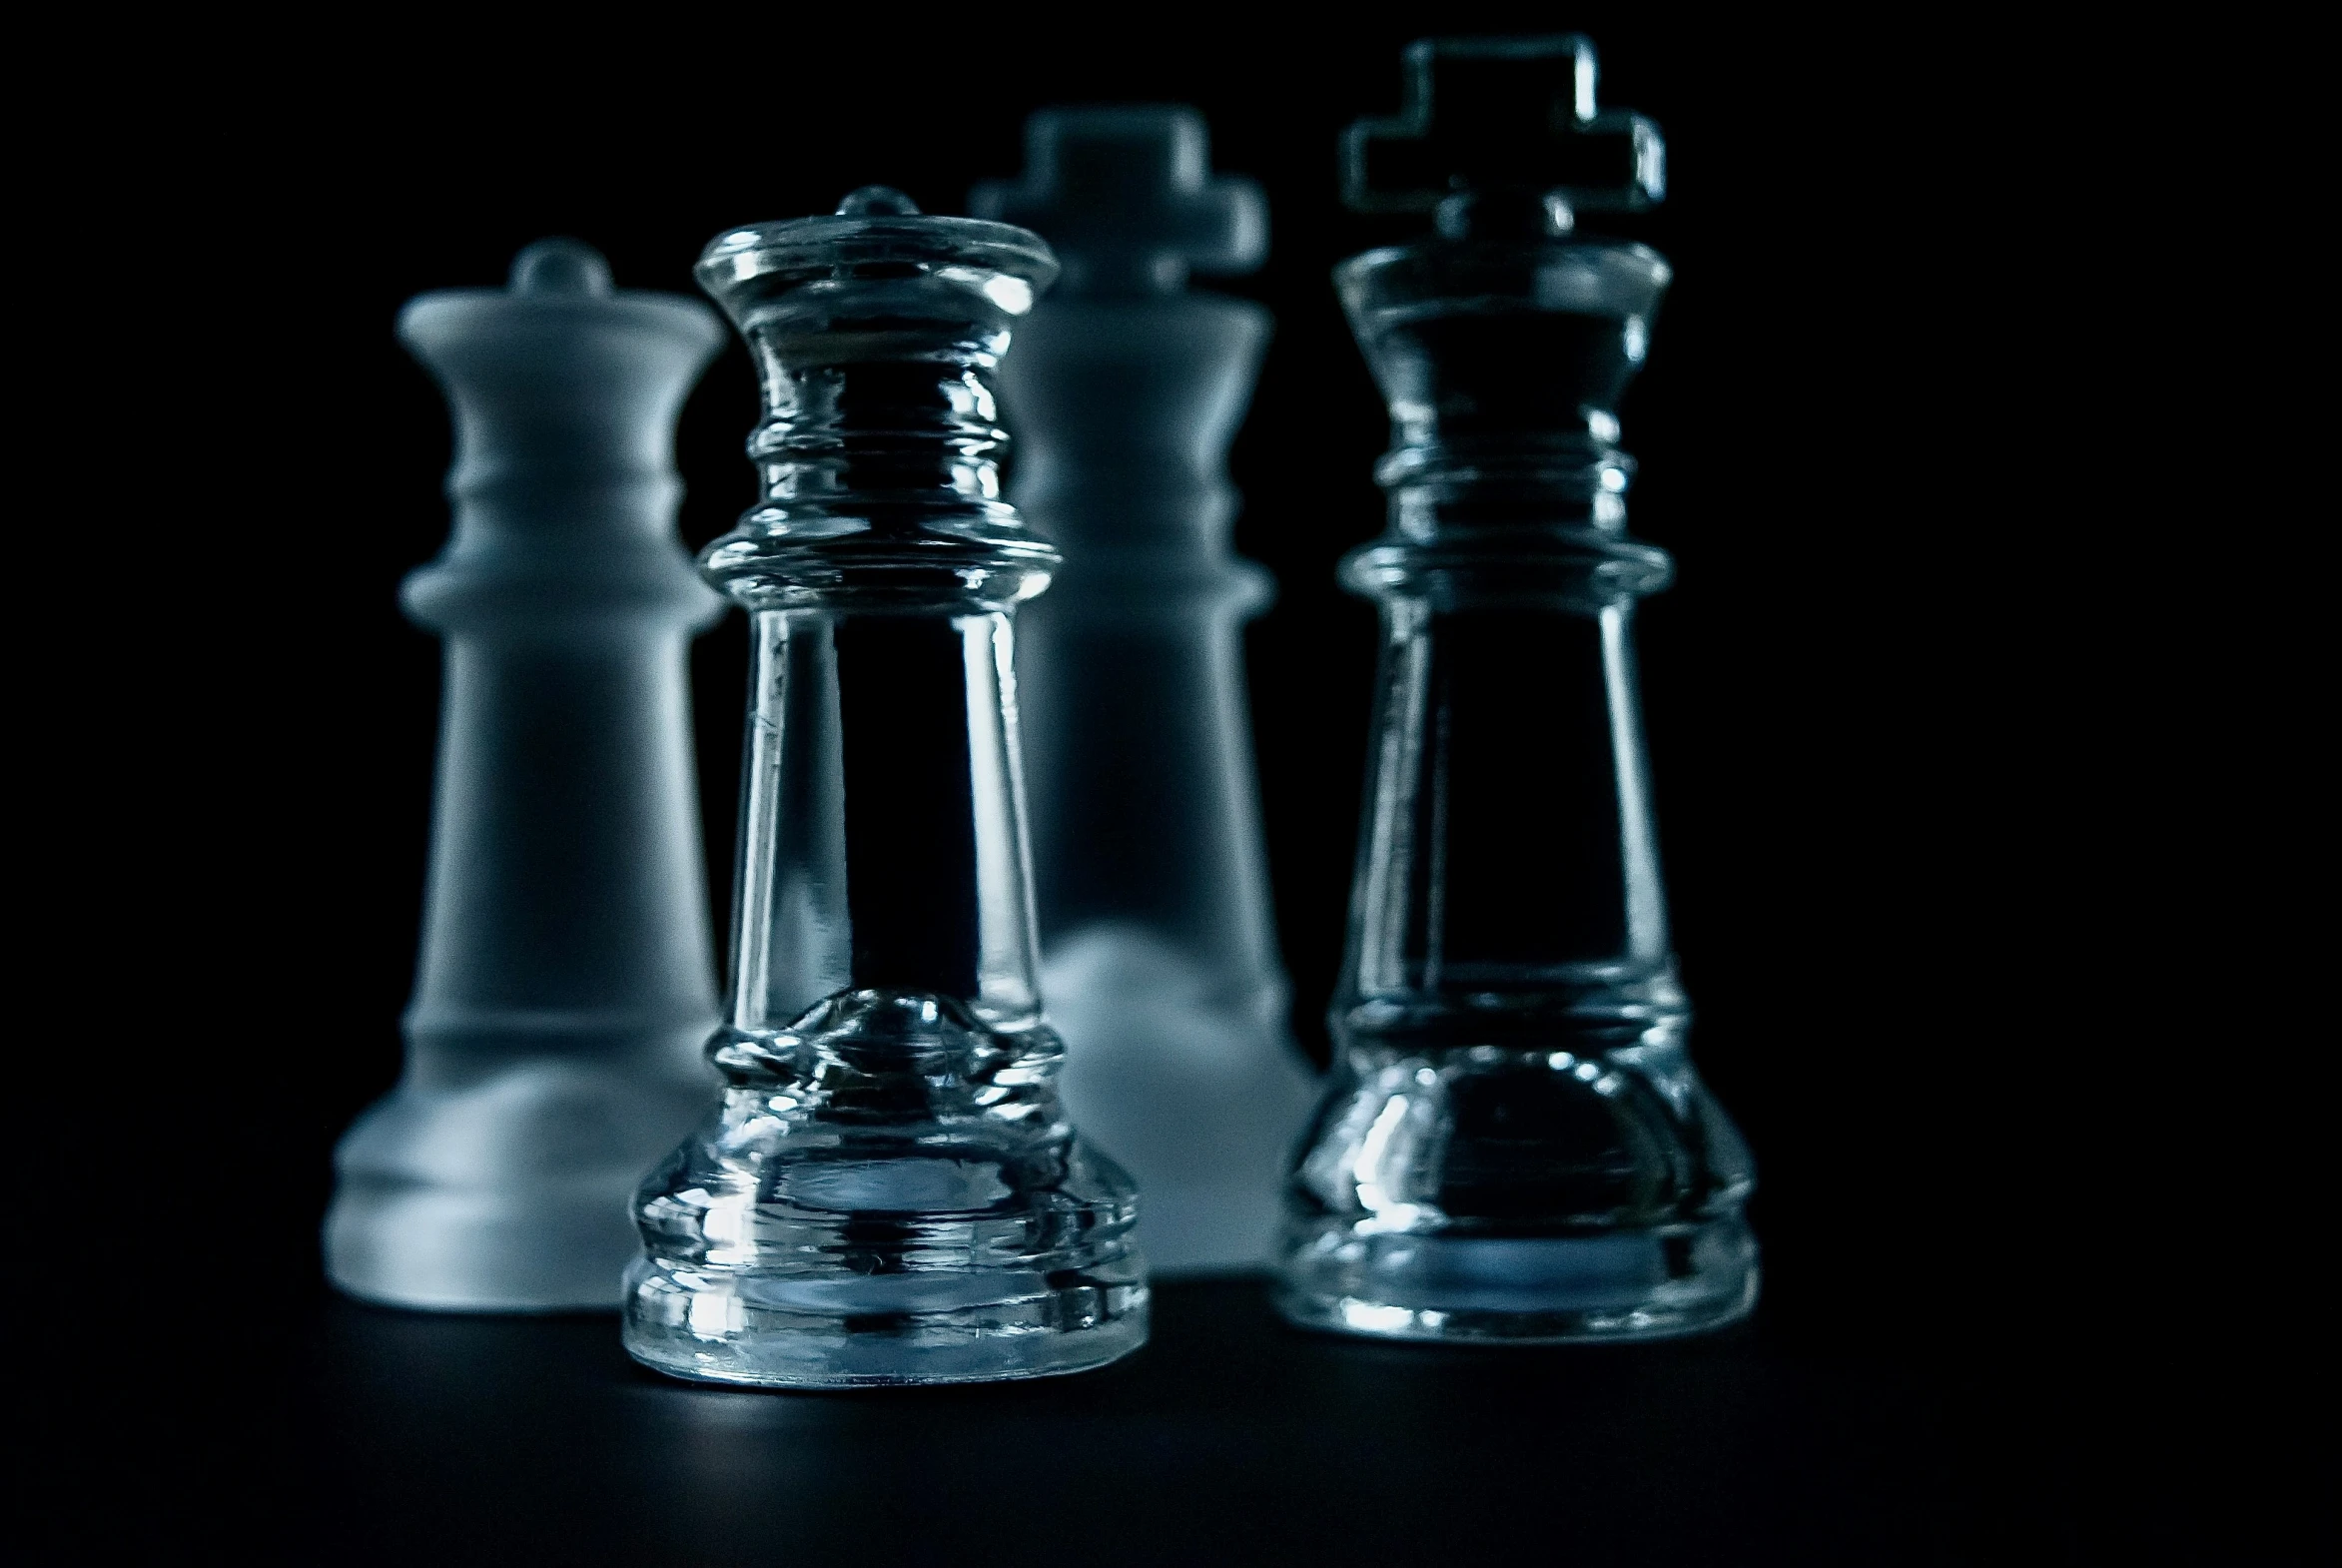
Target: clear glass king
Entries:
(1515, 1145)
(889, 1191)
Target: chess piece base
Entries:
(1637, 1284)
(1587, 1186)
(888, 1194)
(504, 1196)
(1193, 1087)
(847, 1331)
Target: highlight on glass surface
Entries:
(890, 1191)
(1514, 1144)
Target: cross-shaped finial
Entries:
(1126, 199)
(1503, 115)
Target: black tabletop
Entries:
(1231, 1438)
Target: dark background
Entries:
(1911, 919)
(1818, 778)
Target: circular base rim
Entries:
(892, 1349)
(858, 1381)
(1356, 1318)
(1439, 1286)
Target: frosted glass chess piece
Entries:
(566, 985)
(890, 1191)
(1514, 1144)
(1158, 950)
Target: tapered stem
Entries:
(882, 826)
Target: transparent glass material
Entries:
(889, 1191)
(1159, 948)
(1515, 1146)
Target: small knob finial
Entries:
(561, 267)
(878, 200)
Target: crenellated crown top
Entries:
(1498, 135)
(877, 333)
(879, 235)
(1127, 198)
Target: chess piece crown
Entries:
(1129, 202)
(1495, 130)
(1159, 951)
(889, 1191)
(566, 981)
(1514, 1144)
(1127, 389)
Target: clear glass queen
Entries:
(1514, 1144)
(889, 1191)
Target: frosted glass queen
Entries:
(566, 982)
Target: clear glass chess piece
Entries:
(566, 982)
(1158, 949)
(890, 1191)
(1515, 1146)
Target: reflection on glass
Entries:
(1515, 1146)
(890, 1191)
